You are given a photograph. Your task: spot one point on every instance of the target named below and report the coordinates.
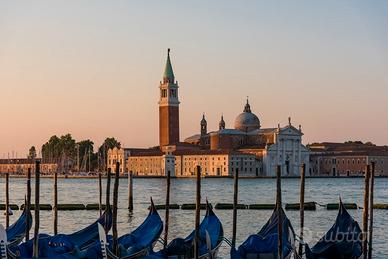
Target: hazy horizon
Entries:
(92, 69)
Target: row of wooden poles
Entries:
(367, 236)
(55, 205)
(367, 210)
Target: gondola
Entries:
(343, 240)
(17, 231)
(61, 245)
(135, 244)
(264, 244)
(211, 235)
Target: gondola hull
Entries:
(62, 246)
(264, 244)
(136, 244)
(183, 248)
(343, 240)
(17, 231)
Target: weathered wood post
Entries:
(100, 193)
(301, 204)
(235, 202)
(372, 186)
(115, 203)
(167, 216)
(7, 200)
(365, 214)
(107, 199)
(279, 209)
(37, 207)
(130, 190)
(197, 212)
(28, 202)
(55, 207)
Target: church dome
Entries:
(247, 121)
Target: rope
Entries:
(300, 240)
(227, 241)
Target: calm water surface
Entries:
(216, 190)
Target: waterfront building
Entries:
(347, 159)
(254, 150)
(19, 166)
(183, 163)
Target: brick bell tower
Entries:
(168, 107)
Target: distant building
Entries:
(183, 163)
(254, 150)
(347, 159)
(19, 166)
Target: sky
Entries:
(92, 68)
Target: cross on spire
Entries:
(247, 107)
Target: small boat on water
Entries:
(211, 235)
(343, 240)
(135, 244)
(264, 244)
(17, 231)
(61, 245)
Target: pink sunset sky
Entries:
(92, 69)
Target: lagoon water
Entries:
(216, 190)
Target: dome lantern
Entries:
(247, 121)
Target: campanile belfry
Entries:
(168, 107)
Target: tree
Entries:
(103, 149)
(85, 151)
(32, 152)
(60, 150)
(50, 150)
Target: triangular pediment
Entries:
(290, 130)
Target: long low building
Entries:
(182, 163)
(347, 159)
(19, 166)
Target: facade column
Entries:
(293, 141)
(300, 154)
(284, 156)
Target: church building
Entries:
(247, 147)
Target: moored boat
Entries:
(62, 245)
(343, 240)
(17, 231)
(211, 235)
(264, 244)
(135, 244)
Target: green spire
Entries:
(168, 75)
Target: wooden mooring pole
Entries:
(37, 207)
(197, 212)
(55, 206)
(100, 193)
(167, 216)
(107, 200)
(279, 210)
(301, 204)
(115, 204)
(7, 200)
(235, 202)
(371, 194)
(28, 202)
(365, 214)
(130, 191)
